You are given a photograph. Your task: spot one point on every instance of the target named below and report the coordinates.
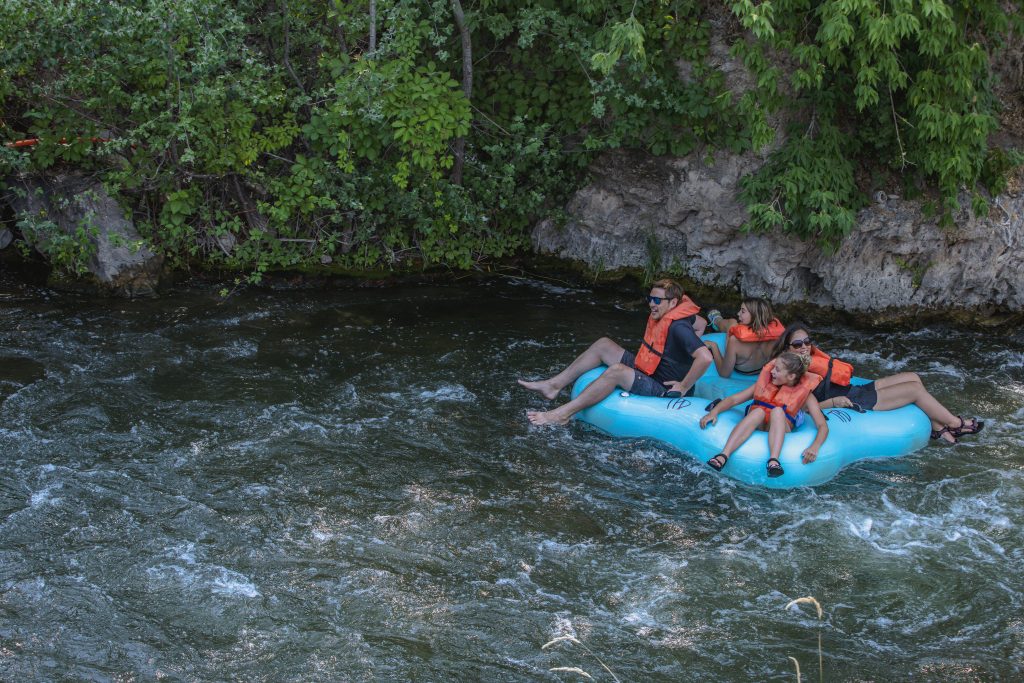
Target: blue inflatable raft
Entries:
(852, 435)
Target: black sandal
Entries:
(937, 434)
(963, 429)
(718, 462)
(776, 469)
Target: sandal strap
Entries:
(964, 429)
(718, 461)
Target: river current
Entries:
(341, 486)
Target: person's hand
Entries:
(841, 402)
(674, 386)
(810, 455)
(711, 417)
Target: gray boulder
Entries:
(113, 257)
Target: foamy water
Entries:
(342, 486)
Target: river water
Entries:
(341, 485)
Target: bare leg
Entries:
(778, 427)
(602, 352)
(616, 376)
(898, 378)
(906, 388)
(723, 324)
(742, 431)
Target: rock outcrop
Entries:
(115, 256)
(684, 215)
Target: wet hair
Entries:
(793, 363)
(782, 343)
(761, 314)
(673, 290)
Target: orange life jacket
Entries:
(656, 334)
(790, 398)
(832, 370)
(745, 333)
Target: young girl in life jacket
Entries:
(781, 393)
(886, 393)
(749, 339)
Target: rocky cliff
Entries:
(684, 215)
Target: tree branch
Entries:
(467, 84)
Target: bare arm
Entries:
(701, 361)
(728, 363)
(725, 404)
(811, 452)
(835, 402)
(716, 355)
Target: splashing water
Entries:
(342, 486)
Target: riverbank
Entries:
(35, 274)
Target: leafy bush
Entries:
(257, 136)
(902, 84)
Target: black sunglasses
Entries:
(797, 343)
(656, 300)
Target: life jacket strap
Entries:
(771, 406)
(673, 365)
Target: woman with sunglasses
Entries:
(748, 338)
(888, 393)
(782, 393)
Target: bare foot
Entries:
(544, 387)
(550, 417)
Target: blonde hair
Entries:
(673, 290)
(794, 363)
(761, 314)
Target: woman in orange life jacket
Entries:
(781, 394)
(887, 393)
(749, 337)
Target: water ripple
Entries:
(342, 486)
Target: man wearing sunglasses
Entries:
(671, 359)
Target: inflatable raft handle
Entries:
(712, 404)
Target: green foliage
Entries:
(997, 167)
(626, 36)
(67, 252)
(904, 83)
(642, 99)
(654, 258)
(258, 136)
(917, 272)
(807, 188)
